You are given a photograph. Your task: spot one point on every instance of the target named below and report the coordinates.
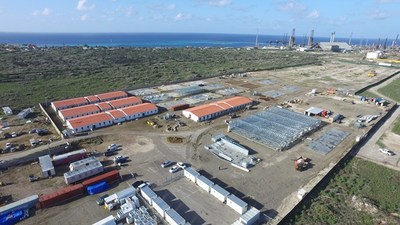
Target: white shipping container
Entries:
(148, 194)
(190, 173)
(106, 221)
(173, 218)
(218, 192)
(250, 217)
(160, 206)
(204, 183)
(236, 204)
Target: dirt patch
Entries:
(175, 140)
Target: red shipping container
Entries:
(69, 159)
(107, 177)
(179, 107)
(61, 195)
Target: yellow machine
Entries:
(372, 73)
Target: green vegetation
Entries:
(361, 193)
(369, 94)
(396, 127)
(27, 78)
(392, 90)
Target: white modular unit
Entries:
(218, 192)
(148, 194)
(110, 199)
(204, 183)
(47, 166)
(173, 218)
(160, 206)
(82, 173)
(190, 173)
(126, 208)
(126, 193)
(236, 204)
(82, 163)
(106, 221)
(250, 217)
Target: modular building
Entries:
(90, 122)
(75, 112)
(92, 99)
(24, 113)
(204, 183)
(216, 109)
(148, 194)
(236, 204)
(191, 173)
(218, 192)
(69, 157)
(138, 111)
(7, 110)
(173, 218)
(110, 220)
(82, 163)
(82, 173)
(160, 206)
(26, 203)
(111, 95)
(117, 115)
(125, 102)
(69, 103)
(126, 193)
(104, 106)
(250, 216)
(46, 166)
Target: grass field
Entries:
(374, 187)
(392, 90)
(27, 78)
(368, 94)
(396, 127)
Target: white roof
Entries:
(110, 198)
(82, 170)
(46, 163)
(175, 216)
(57, 157)
(314, 110)
(250, 214)
(147, 190)
(192, 171)
(205, 180)
(237, 200)
(126, 192)
(81, 162)
(105, 220)
(220, 190)
(161, 203)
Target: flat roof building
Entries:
(46, 166)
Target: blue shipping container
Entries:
(97, 188)
(12, 218)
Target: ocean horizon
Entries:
(164, 39)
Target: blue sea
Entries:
(160, 39)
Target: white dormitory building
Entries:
(216, 109)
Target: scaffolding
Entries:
(327, 142)
(276, 128)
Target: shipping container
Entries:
(236, 204)
(179, 107)
(25, 203)
(97, 188)
(108, 177)
(69, 157)
(61, 195)
(204, 183)
(14, 217)
(82, 173)
(110, 220)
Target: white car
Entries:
(181, 165)
(386, 151)
(112, 147)
(174, 169)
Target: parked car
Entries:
(100, 200)
(14, 134)
(120, 159)
(386, 151)
(42, 132)
(166, 163)
(140, 183)
(109, 153)
(34, 130)
(7, 135)
(181, 165)
(174, 169)
(33, 178)
(112, 147)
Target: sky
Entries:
(363, 18)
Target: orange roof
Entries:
(70, 102)
(92, 99)
(89, 120)
(125, 101)
(131, 110)
(104, 106)
(218, 106)
(117, 114)
(112, 95)
(79, 110)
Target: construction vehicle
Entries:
(372, 73)
(152, 123)
(301, 163)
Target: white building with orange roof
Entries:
(79, 111)
(92, 99)
(111, 96)
(103, 106)
(118, 115)
(90, 122)
(216, 109)
(138, 111)
(69, 103)
(125, 102)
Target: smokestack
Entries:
(311, 38)
(333, 37)
(351, 36)
(384, 45)
(292, 39)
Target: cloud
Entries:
(181, 16)
(292, 6)
(220, 3)
(161, 7)
(378, 15)
(171, 7)
(315, 14)
(83, 6)
(84, 17)
(44, 12)
(338, 21)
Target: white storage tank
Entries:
(204, 183)
(173, 218)
(160, 206)
(236, 204)
(106, 221)
(148, 194)
(190, 173)
(218, 192)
